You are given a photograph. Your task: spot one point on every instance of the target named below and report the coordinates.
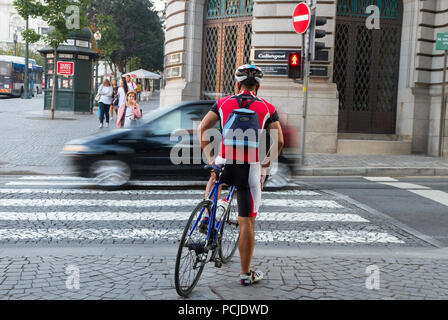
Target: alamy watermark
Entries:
(72, 20)
(72, 281)
(240, 147)
(373, 277)
(373, 21)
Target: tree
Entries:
(129, 29)
(62, 16)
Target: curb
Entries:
(372, 171)
(305, 171)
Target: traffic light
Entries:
(294, 65)
(316, 34)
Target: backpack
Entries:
(242, 127)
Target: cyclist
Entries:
(248, 173)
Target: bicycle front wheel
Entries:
(230, 233)
(191, 255)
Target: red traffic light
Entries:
(294, 59)
(294, 65)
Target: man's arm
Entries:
(207, 123)
(275, 131)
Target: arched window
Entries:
(227, 44)
(366, 65)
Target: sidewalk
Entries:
(289, 274)
(373, 165)
(33, 144)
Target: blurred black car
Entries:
(144, 152)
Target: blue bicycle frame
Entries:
(214, 193)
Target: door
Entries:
(227, 43)
(366, 66)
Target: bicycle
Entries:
(197, 249)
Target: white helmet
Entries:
(249, 74)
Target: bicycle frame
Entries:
(213, 194)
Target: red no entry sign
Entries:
(301, 17)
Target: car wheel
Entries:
(279, 178)
(111, 173)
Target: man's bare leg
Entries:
(247, 242)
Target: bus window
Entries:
(5, 69)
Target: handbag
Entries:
(97, 97)
(115, 102)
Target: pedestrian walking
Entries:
(122, 92)
(106, 92)
(131, 85)
(129, 111)
(114, 105)
(139, 91)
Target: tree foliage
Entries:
(129, 29)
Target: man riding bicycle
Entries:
(243, 113)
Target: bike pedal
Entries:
(218, 263)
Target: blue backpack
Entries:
(242, 127)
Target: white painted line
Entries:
(88, 182)
(143, 192)
(435, 195)
(379, 179)
(50, 183)
(70, 178)
(301, 203)
(305, 236)
(171, 216)
(404, 185)
(156, 203)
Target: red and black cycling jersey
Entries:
(266, 115)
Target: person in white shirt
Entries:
(131, 85)
(122, 92)
(106, 92)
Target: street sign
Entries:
(65, 68)
(301, 18)
(442, 41)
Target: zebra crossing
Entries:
(58, 209)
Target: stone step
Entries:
(374, 147)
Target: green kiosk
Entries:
(74, 84)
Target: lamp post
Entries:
(15, 37)
(27, 78)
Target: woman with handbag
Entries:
(106, 92)
(129, 112)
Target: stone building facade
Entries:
(371, 91)
(11, 22)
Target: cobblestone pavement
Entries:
(34, 142)
(291, 277)
(55, 231)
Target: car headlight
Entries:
(74, 148)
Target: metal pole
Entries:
(27, 80)
(443, 108)
(306, 77)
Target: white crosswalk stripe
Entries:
(55, 211)
(179, 216)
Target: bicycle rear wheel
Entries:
(191, 255)
(230, 233)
